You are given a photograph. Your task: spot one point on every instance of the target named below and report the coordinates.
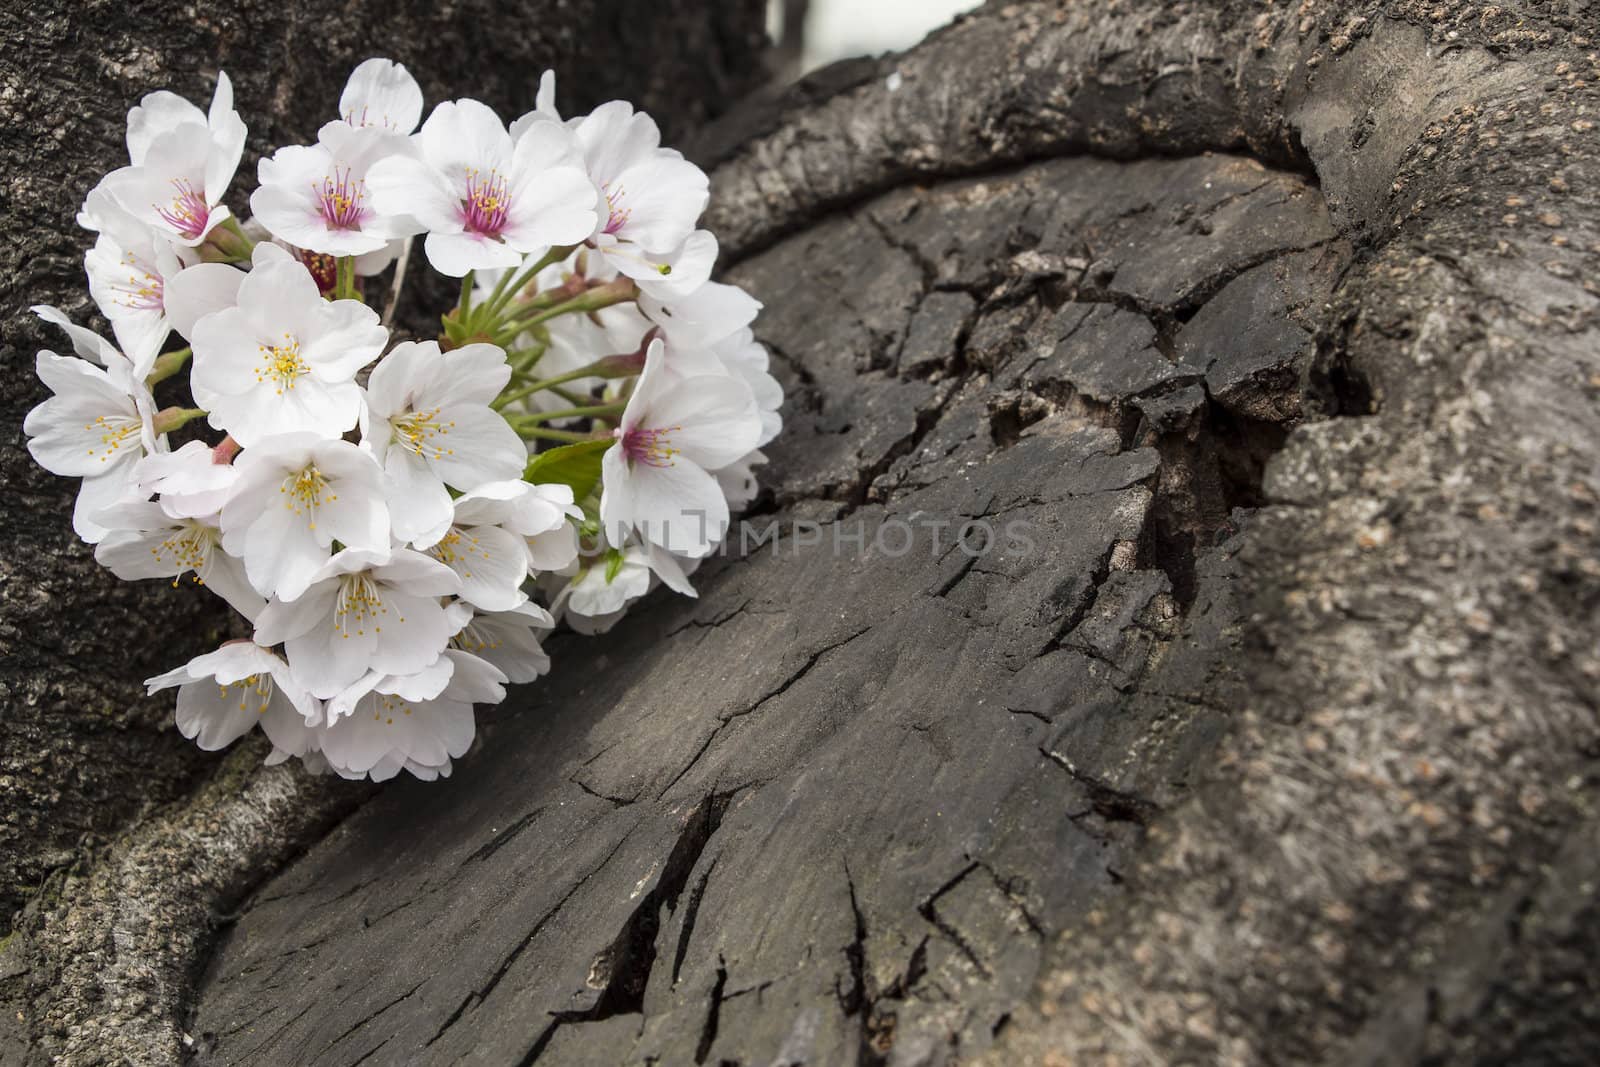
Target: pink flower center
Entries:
(340, 198)
(618, 214)
(189, 211)
(484, 209)
(651, 447)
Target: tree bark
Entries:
(120, 837)
(1277, 329)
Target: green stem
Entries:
(344, 286)
(500, 287)
(513, 327)
(238, 231)
(504, 295)
(464, 305)
(553, 435)
(569, 413)
(168, 364)
(534, 387)
(532, 315)
(523, 360)
(601, 296)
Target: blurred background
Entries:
(813, 33)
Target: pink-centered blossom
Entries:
(484, 198)
(182, 160)
(650, 196)
(316, 198)
(672, 435)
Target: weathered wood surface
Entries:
(844, 777)
(105, 945)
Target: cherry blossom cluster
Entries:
(401, 520)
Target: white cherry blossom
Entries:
(96, 426)
(363, 611)
(129, 268)
(382, 725)
(182, 161)
(544, 516)
(315, 196)
(483, 198)
(144, 541)
(283, 359)
(598, 596)
(428, 422)
(652, 195)
(501, 529)
(297, 494)
(381, 93)
(222, 695)
(192, 482)
(672, 435)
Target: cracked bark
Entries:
(1327, 712)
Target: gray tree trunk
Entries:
(119, 838)
(1276, 328)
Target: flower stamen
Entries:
(341, 199)
(618, 213)
(189, 212)
(651, 447)
(305, 491)
(358, 603)
(419, 432)
(257, 685)
(281, 362)
(483, 211)
(459, 546)
(143, 291)
(187, 549)
(115, 433)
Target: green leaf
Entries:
(575, 465)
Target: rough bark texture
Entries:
(104, 949)
(848, 784)
(1278, 747)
